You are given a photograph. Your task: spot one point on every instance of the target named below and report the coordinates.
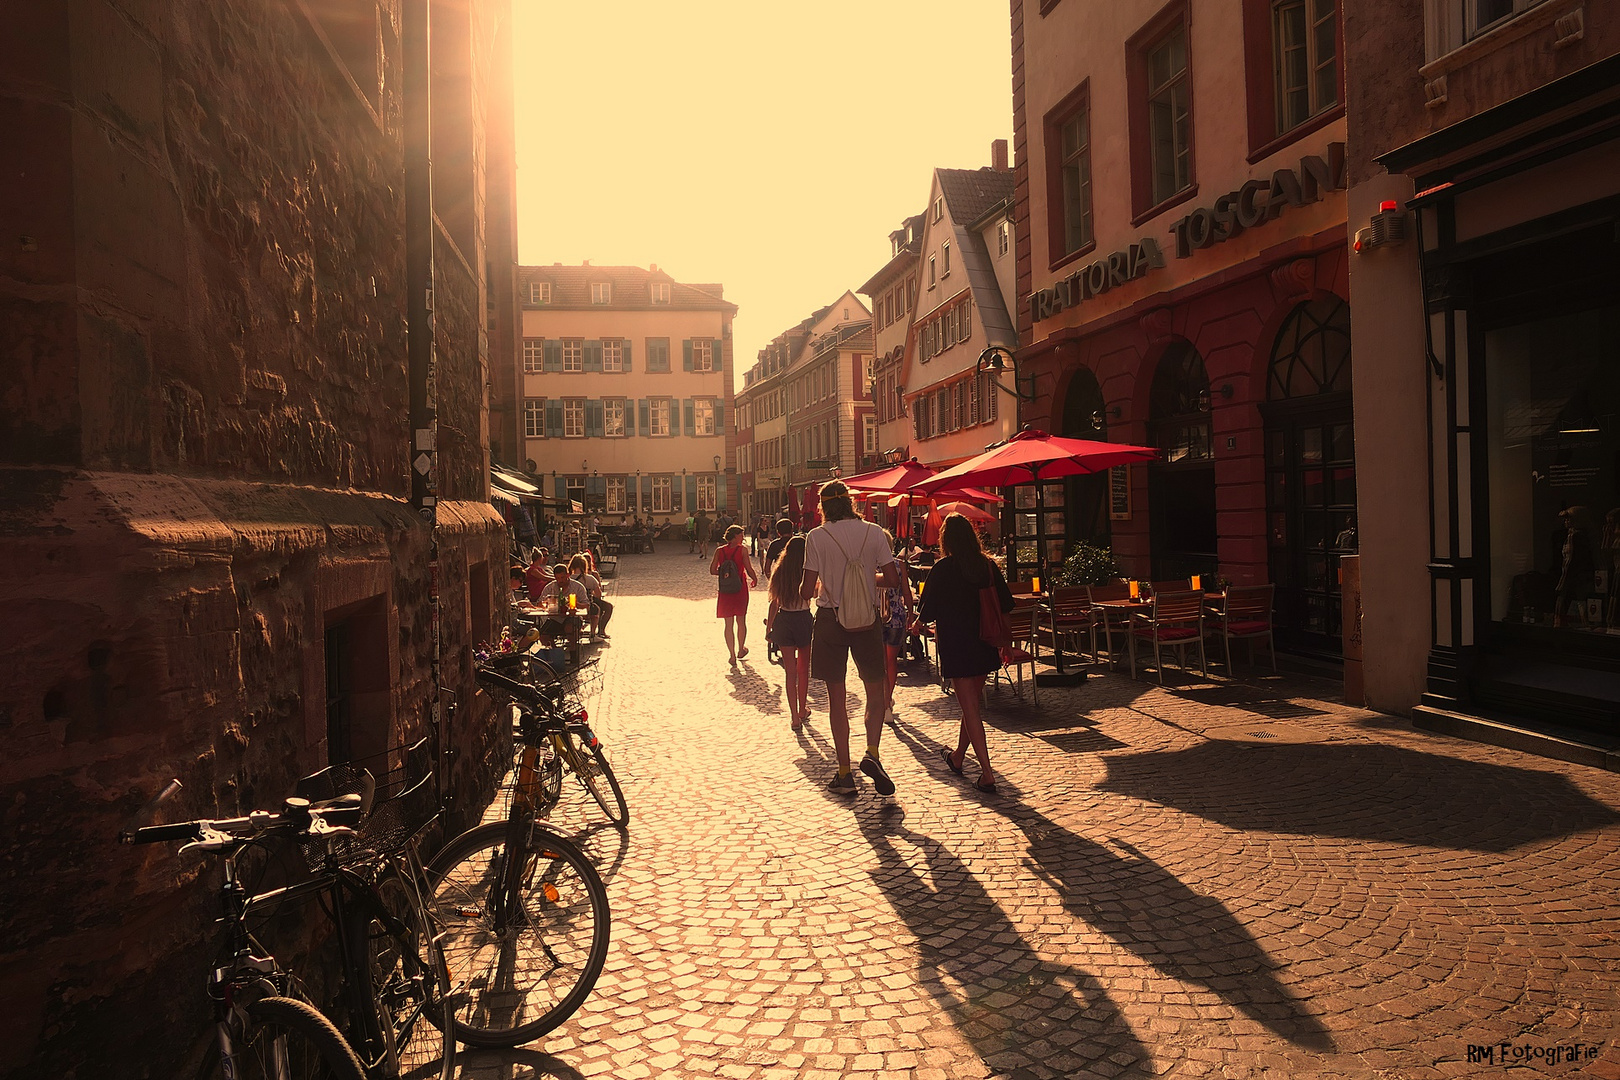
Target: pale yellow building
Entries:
(627, 400)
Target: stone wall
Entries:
(204, 455)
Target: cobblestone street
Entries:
(1210, 879)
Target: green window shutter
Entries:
(593, 356)
(596, 485)
(554, 420)
(626, 354)
(553, 356)
(717, 357)
(646, 418)
(691, 417)
(561, 487)
(720, 491)
(719, 417)
(686, 355)
(594, 425)
(691, 492)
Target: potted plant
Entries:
(1088, 565)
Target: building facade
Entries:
(763, 404)
(215, 569)
(893, 294)
(1484, 200)
(831, 429)
(955, 409)
(627, 390)
(1185, 286)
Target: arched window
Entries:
(1178, 405)
(1312, 352)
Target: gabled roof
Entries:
(632, 288)
(971, 192)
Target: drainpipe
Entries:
(424, 415)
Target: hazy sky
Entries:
(767, 145)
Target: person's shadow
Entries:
(1149, 911)
(1015, 1008)
(751, 688)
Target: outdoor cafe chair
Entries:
(1070, 616)
(1175, 619)
(1243, 614)
(1107, 621)
(1025, 621)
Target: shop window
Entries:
(705, 493)
(1554, 435)
(1181, 487)
(615, 495)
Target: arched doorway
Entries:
(1310, 473)
(1086, 497)
(1181, 488)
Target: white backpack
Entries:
(857, 608)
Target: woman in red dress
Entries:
(732, 565)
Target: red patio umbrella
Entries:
(1031, 457)
(812, 507)
(793, 504)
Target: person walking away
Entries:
(848, 553)
(701, 528)
(788, 623)
(895, 604)
(950, 601)
(691, 534)
(601, 611)
(784, 532)
(731, 565)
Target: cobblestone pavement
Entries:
(1212, 879)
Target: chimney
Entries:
(652, 268)
(998, 155)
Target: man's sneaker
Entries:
(844, 784)
(872, 767)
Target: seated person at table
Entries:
(568, 621)
(538, 574)
(601, 611)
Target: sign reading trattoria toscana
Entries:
(1256, 202)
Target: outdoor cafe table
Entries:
(1120, 610)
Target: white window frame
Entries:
(534, 355)
(613, 355)
(573, 484)
(660, 292)
(658, 413)
(602, 292)
(573, 354)
(1003, 239)
(537, 292)
(945, 259)
(933, 276)
(939, 207)
(703, 417)
(869, 436)
(615, 413)
(662, 503)
(573, 418)
(702, 354)
(616, 495)
(534, 418)
(705, 492)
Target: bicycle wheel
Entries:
(287, 1039)
(591, 766)
(406, 1032)
(517, 974)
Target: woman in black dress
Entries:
(950, 601)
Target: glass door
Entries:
(1311, 502)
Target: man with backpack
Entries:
(846, 560)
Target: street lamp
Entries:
(991, 363)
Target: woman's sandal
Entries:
(988, 789)
(950, 762)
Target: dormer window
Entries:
(537, 292)
(939, 208)
(660, 292)
(601, 292)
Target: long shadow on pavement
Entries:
(1024, 1016)
(751, 688)
(513, 1065)
(1363, 791)
(1149, 911)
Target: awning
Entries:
(512, 481)
(504, 496)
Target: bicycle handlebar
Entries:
(327, 818)
(520, 690)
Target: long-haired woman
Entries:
(790, 623)
(951, 602)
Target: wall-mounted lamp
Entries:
(1099, 416)
(1205, 400)
(583, 465)
(717, 463)
(995, 360)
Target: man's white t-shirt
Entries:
(827, 546)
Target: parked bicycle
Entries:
(554, 723)
(394, 1001)
(526, 914)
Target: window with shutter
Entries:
(553, 353)
(534, 355)
(573, 418)
(660, 417)
(613, 418)
(658, 354)
(573, 354)
(534, 418)
(613, 355)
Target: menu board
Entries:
(1119, 493)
